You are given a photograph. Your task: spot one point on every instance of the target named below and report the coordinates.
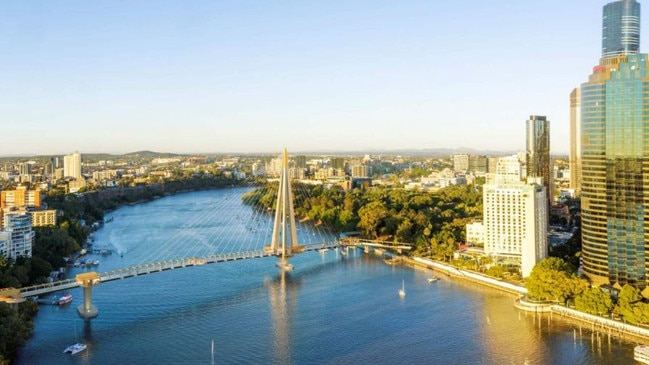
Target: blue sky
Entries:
(257, 76)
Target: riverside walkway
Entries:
(596, 324)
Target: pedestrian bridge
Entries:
(283, 245)
(149, 268)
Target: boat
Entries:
(641, 354)
(212, 353)
(76, 348)
(390, 261)
(402, 291)
(64, 299)
(432, 279)
(284, 266)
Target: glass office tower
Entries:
(615, 151)
(538, 162)
(621, 28)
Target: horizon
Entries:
(434, 152)
(359, 75)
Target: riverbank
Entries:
(466, 275)
(598, 325)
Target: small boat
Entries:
(284, 266)
(64, 299)
(402, 291)
(432, 279)
(212, 353)
(641, 354)
(76, 348)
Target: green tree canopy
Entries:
(554, 279)
(594, 301)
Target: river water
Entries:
(332, 309)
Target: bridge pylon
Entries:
(87, 280)
(284, 243)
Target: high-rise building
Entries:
(508, 170)
(537, 157)
(461, 162)
(515, 217)
(478, 163)
(72, 165)
(338, 162)
(20, 197)
(300, 161)
(574, 161)
(360, 170)
(621, 28)
(615, 154)
(17, 236)
(25, 168)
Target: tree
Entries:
(554, 279)
(594, 301)
(630, 305)
(15, 328)
(371, 218)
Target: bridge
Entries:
(283, 244)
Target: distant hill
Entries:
(150, 154)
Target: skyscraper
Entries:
(621, 28)
(615, 153)
(72, 165)
(537, 133)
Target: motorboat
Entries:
(432, 279)
(641, 354)
(64, 299)
(74, 349)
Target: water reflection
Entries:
(283, 297)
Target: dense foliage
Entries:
(632, 306)
(433, 221)
(15, 328)
(594, 301)
(555, 280)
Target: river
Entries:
(332, 309)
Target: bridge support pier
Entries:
(87, 281)
(12, 297)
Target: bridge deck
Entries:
(172, 264)
(159, 267)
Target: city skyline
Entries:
(219, 77)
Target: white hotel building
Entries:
(515, 220)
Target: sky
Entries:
(242, 76)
